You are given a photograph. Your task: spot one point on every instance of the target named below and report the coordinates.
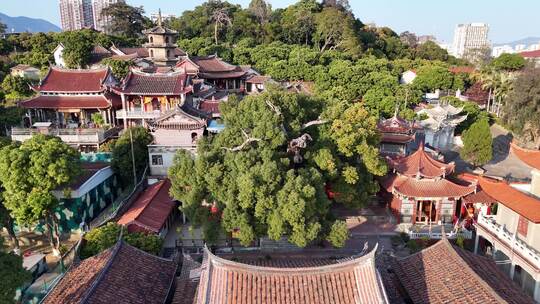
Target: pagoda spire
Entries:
(159, 18)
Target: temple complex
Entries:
(397, 135)
(420, 189)
(440, 125)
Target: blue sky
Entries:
(509, 20)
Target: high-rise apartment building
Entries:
(470, 37)
(76, 14)
(101, 23)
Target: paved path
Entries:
(504, 164)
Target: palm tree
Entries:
(504, 86)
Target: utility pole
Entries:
(133, 158)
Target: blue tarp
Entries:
(215, 127)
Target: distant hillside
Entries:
(526, 41)
(25, 24)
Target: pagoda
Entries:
(421, 191)
(161, 47)
(396, 135)
(440, 125)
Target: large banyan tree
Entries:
(276, 168)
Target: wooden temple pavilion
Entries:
(396, 135)
(354, 280)
(223, 75)
(420, 189)
(148, 96)
(70, 97)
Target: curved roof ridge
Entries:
(528, 156)
(367, 258)
(61, 69)
(419, 162)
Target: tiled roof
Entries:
(530, 54)
(121, 274)
(221, 75)
(521, 203)
(139, 51)
(160, 30)
(180, 120)
(422, 164)
(212, 64)
(479, 197)
(210, 106)
(530, 157)
(73, 81)
(101, 101)
(397, 138)
(395, 124)
(258, 79)
(88, 170)
(151, 210)
(186, 287)
(156, 83)
(413, 187)
(446, 274)
(353, 281)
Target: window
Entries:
(523, 225)
(157, 160)
(151, 39)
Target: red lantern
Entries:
(329, 193)
(214, 209)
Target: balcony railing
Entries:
(138, 114)
(488, 223)
(91, 136)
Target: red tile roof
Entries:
(227, 282)
(139, 51)
(530, 157)
(140, 83)
(412, 187)
(446, 274)
(151, 210)
(212, 67)
(101, 101)
(121, 274)
(88, 170)
(421, 163)
(258, 79)
(530, 54)
(520, 202)
(73, 81)
(479, 197)
(210, 106)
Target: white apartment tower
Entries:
(102, 23)
(76, 14)
(469, 37)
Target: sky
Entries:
(509, 20)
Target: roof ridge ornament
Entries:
(159, 17)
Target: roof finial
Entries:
(396, 111)
(159, 18)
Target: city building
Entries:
(445, 273)
(153, 212)
(469, 38)
(164, 17)
(532, 56)
(439, 127)
(76, 14)
(420, 189)
(502, 49)
(120, 274)
(65, 104)
(102, 23)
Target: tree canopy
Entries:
(13, 273)
(29, 172)
(122, 161)
(268, 170)
(126, 20)
(477, 143)
(508, 62)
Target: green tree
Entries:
(16, 88)
(78, 46)
(30, 172)
(267, 171)
(126, 20)
(522, 108)
(508, 62)
(104, 237)
(477, 143)
(122, 161)
(334, 29)
(119, 68)
(3, 28)
(13, 273)
(261, 9)
(431, 51)
(433, 77)
(298, 22)
(339, 233)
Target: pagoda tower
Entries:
(160, 45)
